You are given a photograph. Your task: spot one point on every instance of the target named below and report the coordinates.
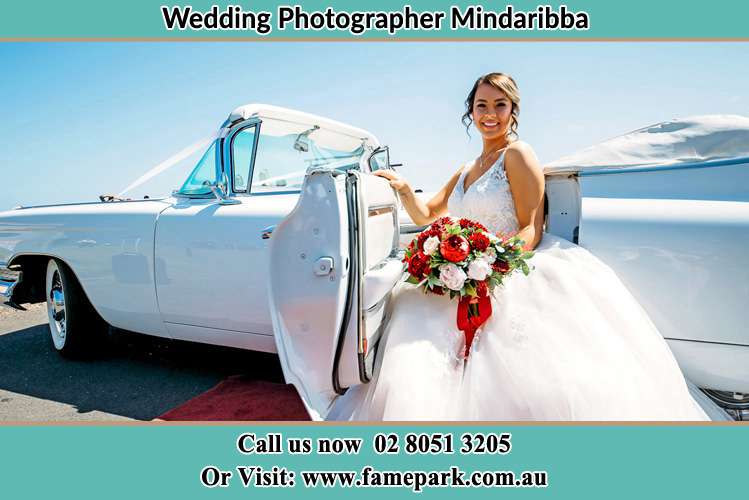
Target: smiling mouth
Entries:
(490, 124)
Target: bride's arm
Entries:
(421, 213)
(526, 179)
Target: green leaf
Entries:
(470, 290)
(437, 260)
(413, 280)
(524, 267)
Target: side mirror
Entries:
(380, 159)
(219, 191)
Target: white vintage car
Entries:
(281, 240)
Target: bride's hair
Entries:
(499, 81)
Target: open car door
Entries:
(333, 266)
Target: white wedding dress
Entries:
(567, 342)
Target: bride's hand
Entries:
(396, 180)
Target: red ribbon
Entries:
(468, 320)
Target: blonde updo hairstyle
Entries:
(499, 81)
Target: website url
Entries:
(369, 477)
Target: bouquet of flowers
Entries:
(467, 261)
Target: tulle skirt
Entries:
(567, 342)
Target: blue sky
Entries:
(81, 119)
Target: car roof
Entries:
(295, 118)
(674, 143)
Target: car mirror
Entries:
(219, 191)
(380, 159)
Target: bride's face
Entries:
(491, 112)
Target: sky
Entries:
(82, 119)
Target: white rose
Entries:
(490, 256)
(452, 276)
(479, 269)
(431, 245)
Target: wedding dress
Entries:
(566, 342)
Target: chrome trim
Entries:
(707, 342)
(219, 191)
(56, 309)
(267, 193)
(227, 161)
(380, 210)
(72, 204)
(267, 232)
(658, 168)
(7, 284)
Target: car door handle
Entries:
(267, 232)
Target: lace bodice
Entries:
(488, 200)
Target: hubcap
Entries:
(58, 304)
(56, 307)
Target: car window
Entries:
(283, 158)
(204, 171)
(242, 146)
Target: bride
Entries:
(567, 342)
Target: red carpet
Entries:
(240, 398)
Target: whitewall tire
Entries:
(76, 329)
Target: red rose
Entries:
(455, 248)
(479, 241)
(438, 290)
(439, 224)
(418, 266)
(469, 224)
(501, 266)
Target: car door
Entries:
(211, 261)
(333, 265)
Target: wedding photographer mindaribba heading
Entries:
(294, 17)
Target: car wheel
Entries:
(75, 327)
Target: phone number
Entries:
(437, 443)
